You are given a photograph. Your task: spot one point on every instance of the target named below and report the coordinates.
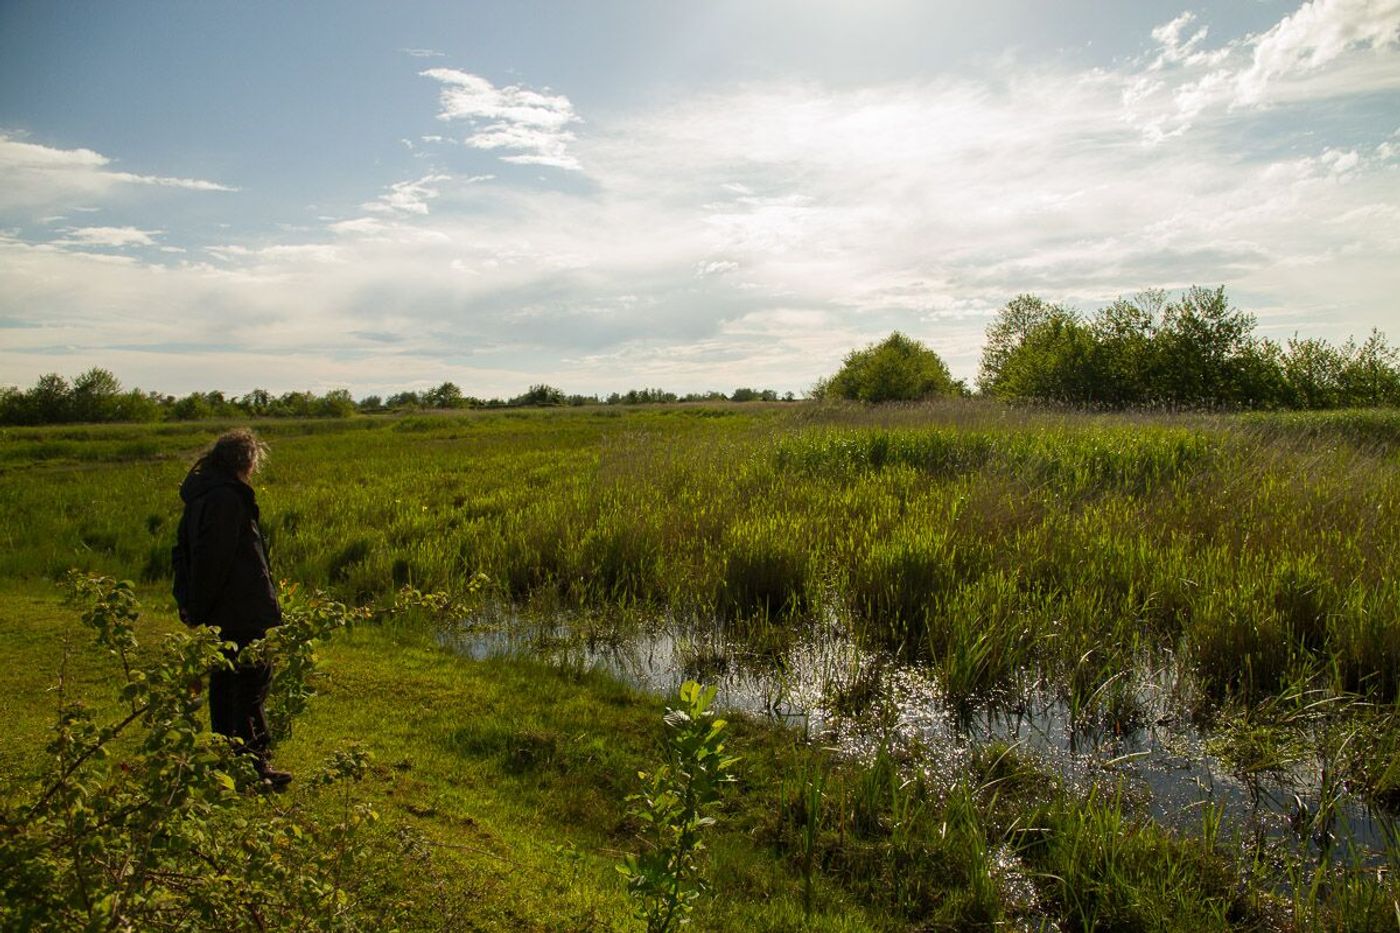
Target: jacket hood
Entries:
(202, 479)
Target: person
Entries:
(222, 579)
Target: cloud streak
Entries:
(116, 237)
(407, 197)
(32, 175)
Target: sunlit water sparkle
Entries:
(859, 701)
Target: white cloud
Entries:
(531, 124)
(534, 146)
(192, 184)
(1170, 37)
(278, 259)
(423, 53)
(1326, 49)
(110, 236)
(32, 175)
(1319, 34)
(407, 197)
(15, 153)
(715, 267)
(358, 225)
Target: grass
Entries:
(514, 772)
(1255, 556)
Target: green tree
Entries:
(95, 394)
(256, 403)
(295, 404)
(138, 822)
(51, 400)
(1007, 331)
(12, 406)
(898, 368)
(1124, 331)
(192, 408)
(1196, 350)
(1258, 377)
(446, 395)
(1059, 360)
(1369, 373)
(754, 395)
(1312, 371)
(138, 406)
(336, 403)
(1201, 346)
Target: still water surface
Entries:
(857, 700)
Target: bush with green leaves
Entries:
(151, 822)
(676, 804)
(897, 369)
(307, 620)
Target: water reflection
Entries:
(860, 701)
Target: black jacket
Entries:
(226, 582)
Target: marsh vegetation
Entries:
(998, 645)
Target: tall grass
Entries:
(996, 545)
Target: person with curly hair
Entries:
(222, 579)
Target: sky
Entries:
(621, 194)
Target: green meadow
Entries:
(1231, 578)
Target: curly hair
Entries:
(238, 452)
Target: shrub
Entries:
(674, 808)
(896, 369)
(140, 823)
(540, 395)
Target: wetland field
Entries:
(988, 667)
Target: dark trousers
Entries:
(236, 706)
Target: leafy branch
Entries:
(674, 807)
(142, 822)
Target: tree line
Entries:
(97, 396)
(1194, 351)
(448, 395)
